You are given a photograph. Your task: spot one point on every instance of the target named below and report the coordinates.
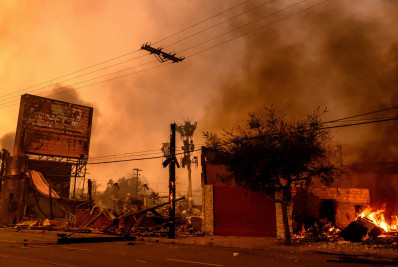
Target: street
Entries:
(41, 250)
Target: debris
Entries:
(360, 229)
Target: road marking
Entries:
(84, 249)
(9, 241)
(70, 248)
(141, 261)
(35, 260)
(195, 262)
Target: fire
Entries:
(378, 218)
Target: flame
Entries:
(378, 218)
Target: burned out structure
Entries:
(232, 210)
(51, 150)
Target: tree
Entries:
(125, 189)
(270, 155)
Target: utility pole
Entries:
(90, 192)
(160, 55)
(172, 162)
(186, 131)
(136, 181)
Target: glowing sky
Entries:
(325, 56)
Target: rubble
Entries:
(361, 229)
(362, 232)
(121, 224)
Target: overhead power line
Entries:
(123, 55)
(219, 23)
(98, 77)
(3, 105)
(364, 114)
(82, 75)
(251, 31)
(74, 72)
(202, 21)
(107, 80)
(253, 137)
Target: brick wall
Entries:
(346, 201)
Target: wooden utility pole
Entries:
(172, 162)
(172, 183)
(137, 174)
(90, 192)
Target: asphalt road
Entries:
(22, 249)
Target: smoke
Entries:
(338, 56)
(71, 95)
(343, 56)
(7, 141)
(68, 95)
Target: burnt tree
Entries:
(270, 155)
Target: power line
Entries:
(127, 154)
(82, 75)
(63, 76)
(111, 79)
(252, 137)
(306, 130)
(123, 55)
(364, 114)
(98, 77)
(2, 105)
(200, 22)
(201, 144)
(219, 23)
(251, 31)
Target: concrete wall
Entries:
(208, 210)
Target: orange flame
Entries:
(378, 218)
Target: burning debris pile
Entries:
(372, 227)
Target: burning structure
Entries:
(317, 213)
(51, 148)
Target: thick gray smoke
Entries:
(7, 141)
(343, 56)
(340, 56)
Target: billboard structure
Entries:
(53, 137)
(54, 128)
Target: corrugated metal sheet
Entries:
(41, 184)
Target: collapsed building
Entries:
(232, 210)
(51, 149)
